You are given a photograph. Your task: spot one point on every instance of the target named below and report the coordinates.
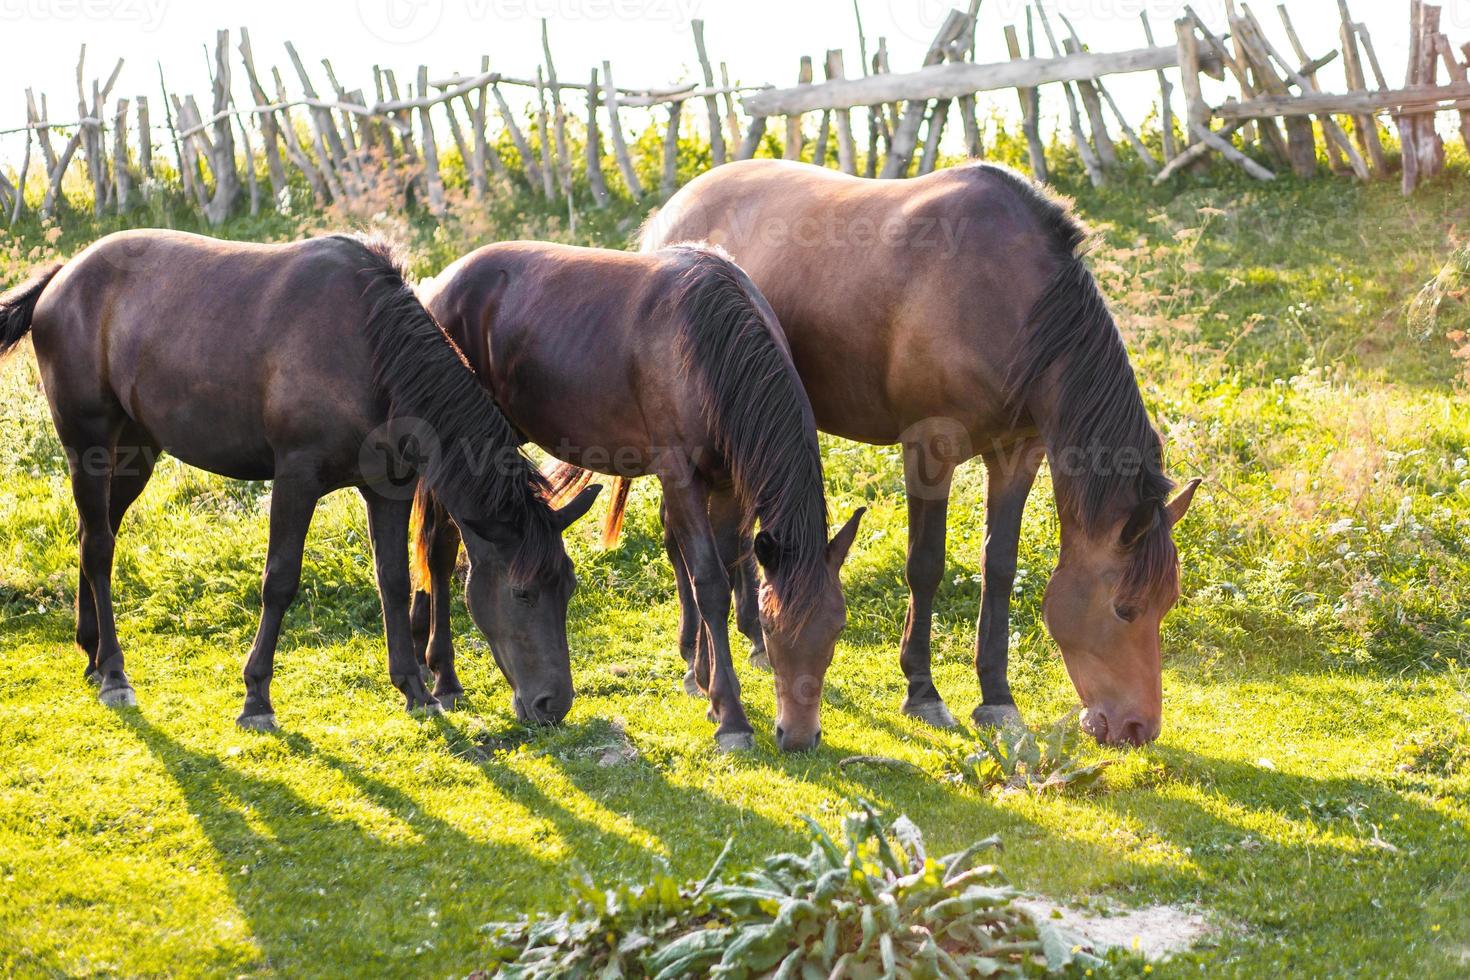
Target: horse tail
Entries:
(18, 308)
(612, 525)
(422, 525)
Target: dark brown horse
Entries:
(952, 314)
(313, 365)
(667, 365)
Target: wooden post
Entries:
(549, 171)
(1079, 138)
(1166, 95)
(671, 150)
(269, 134)
(18, 205)
(330, 153)
(877, 124)
(906, 131)
(753, 137)
(1029, 123)
(1365, 126)
(480, 154)
(558, 112)
(846, 148)
(1196, 111)
(1239, 64)
(53, 185)
(145, 147)
(522, 145)
(433, 180)
(595, 181)
(1426, 145)
(615, 130)
(962, 52)
(1087, 91)
(121, 178)
(1457, 73)
(1335, 158)
(1301, 139)
(1302, 79)
(712, 102)
(319, 172)
(792, 150)
(732, 120)
(43, 133)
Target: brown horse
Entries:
(952, 314)
(668, 365)
(313, 365)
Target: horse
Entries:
(953, 314)
(313, 365)
(671, 365)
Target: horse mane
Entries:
(425, 375)
(759, 416)
(1073, 350)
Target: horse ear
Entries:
(578, 508)
(767, 551)
(841, 542)
(1179, 506)
(494, 532)
(1145, 518)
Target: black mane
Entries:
(1073, 350)
(760, 418)
(426, 376)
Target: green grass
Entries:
(1309, 793)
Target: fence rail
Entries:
(253, 145)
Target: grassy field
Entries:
(1310, 794)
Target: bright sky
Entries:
(648, 41)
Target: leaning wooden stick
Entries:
(712, 102)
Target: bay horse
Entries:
(313, 365)
(671, 365)
(954, 315)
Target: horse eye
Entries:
(524, 596)
(1126, 613)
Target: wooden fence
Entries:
(257, 142)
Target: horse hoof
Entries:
(931, 713)
(258, 723)
(998, 716)
(691, 686)
(119, 697)
(760, 661)
(430, 710)
(93, 678)
(735, 741)
(450, 701)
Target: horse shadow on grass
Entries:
(320, 891)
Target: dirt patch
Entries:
(1157, 932)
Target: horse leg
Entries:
(736, 552)
(928, 507)
(91, 483)
(132, 467)
(694, 685)
(293, 502)
(687, 516)
(388, 528)
(439, 651)
(1008, 484)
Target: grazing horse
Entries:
(952, 314)
(312, 365)
(669, 365)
